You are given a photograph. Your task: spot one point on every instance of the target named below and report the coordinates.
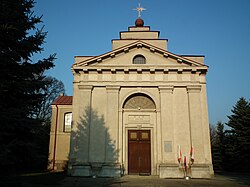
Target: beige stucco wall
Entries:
(179, 118)
(152, 60)
(139, 35)
(62, 142)
(120, 43)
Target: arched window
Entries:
(139, 59)
(67, 122)
(139, 102)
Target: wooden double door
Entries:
(139, 152)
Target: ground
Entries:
(62, 180)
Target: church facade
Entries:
(137, 109)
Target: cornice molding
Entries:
(166, 88)
(126, 69)
(193, 88)
(85, 87)
(113, 88)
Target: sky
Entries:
(218, 29)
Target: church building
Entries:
(137, 109)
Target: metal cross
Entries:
(139, 9)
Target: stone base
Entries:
(79, 170)
(60, 165)
(175, 171)
(111, 171)
(201, 171)
(96, 170)
(170, 171)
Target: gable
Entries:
(124, 56)
(126, 59)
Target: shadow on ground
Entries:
(33, 179)
(239, 178)
(60, 179)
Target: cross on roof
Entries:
(139, 9)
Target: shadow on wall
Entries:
(93, 152)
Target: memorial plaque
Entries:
(168, 146)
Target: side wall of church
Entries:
(59, 139)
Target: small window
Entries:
(139, 59)
(67, 122)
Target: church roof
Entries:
(63, 100)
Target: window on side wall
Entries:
(67, 122)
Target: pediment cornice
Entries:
(137, 69)
(138, 44)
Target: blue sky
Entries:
(218, 29)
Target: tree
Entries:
(52, 89)
(218, 149)
(20, 82)
(239, 122)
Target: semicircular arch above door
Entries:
(138, 102)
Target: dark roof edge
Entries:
(85, 56)
(193, 55)
(63, 100)
(141, 39)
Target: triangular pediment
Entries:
(123, 55)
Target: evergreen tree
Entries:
(231, 161)
(52, 89)
(20, 82)
(239, 135)
(218, 149)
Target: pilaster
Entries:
(195, 117)
(82, 135)
(167, 128)
(112, 136)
